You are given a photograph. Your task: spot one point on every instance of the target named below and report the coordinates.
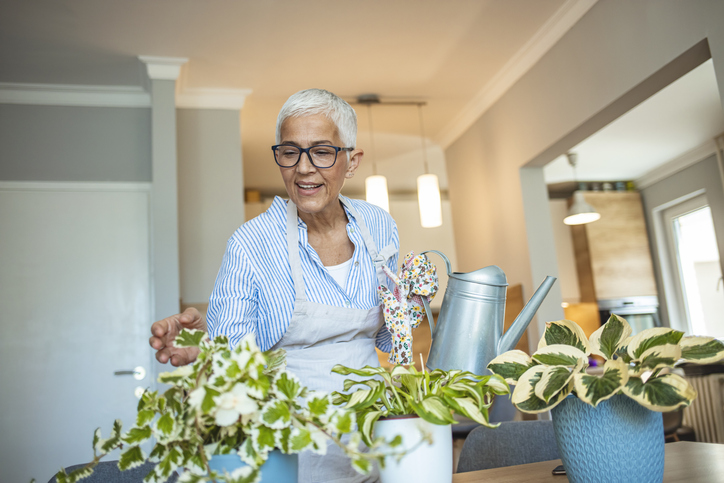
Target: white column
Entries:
(163, 72)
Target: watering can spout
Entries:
(516, 330)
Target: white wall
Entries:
(593, 74)
(567, 275)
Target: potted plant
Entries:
(226, 415)
(607, 424)
(420, 407)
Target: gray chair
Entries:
(512, 443)
(108, 472)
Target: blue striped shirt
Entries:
(254, 291)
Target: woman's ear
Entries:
(355, 158)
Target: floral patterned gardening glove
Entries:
(403, 304)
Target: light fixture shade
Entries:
(428, 196)
(376, 191)
(580, 212)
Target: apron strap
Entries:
(295, 261)
(379, 258)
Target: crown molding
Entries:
(538, 45)
(229, 99)
(687, 159)
(73, 95)
(163, 68)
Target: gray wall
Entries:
(210, 194)
(57, 143)
(703, 175)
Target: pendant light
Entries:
(428, 189)
(375, 185)
(580, 211)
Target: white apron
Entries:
(320, 336)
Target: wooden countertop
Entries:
(685, 462)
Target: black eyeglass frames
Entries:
(321, 156)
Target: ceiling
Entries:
(679, 118)
(457, 57)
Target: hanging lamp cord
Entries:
(372, 140)
(422, 139)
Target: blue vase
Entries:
(279, 467)
(617, 441)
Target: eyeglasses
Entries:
(321, 156)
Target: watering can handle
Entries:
(448, 265)
(428, 311)
(430, 318)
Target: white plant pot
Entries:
(428, 463)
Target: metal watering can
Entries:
(469, 329)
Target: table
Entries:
(684, 462)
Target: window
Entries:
(696, 267)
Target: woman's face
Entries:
(312, 189)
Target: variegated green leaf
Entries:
(276, 414)
(262, 439)
(663, 394)
(658, 356)
(553, 379)
(176, 376)
(131, 457)
(343, 422)
(432, 409)
(565, 332)
(511, 365)
(610, 336)
(593, 389)
(137, 435)
(653, 337)
(362, 398)
(560, 355)
(301, 440)
(524, 397)
(701, 350)
(288, 386)
(366, 422)
(470, 409)
(189, 338)
(496, 384)
(165, 424)
(318, 404)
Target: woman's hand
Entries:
(165, 331)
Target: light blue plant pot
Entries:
(617, 441)
(279, 467)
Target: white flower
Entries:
(233, 404)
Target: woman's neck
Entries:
(326, 221)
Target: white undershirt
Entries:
(340, 272)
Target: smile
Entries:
(308, 186)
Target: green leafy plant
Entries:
(639, 367)
(239, 400)
(434, 396)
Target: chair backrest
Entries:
(512, 443)
(108, 472)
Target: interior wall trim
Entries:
(72, 186)
(73, 95)
(536, 47)
(687, 159)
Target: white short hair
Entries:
(318, 101)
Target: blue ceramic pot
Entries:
(279, 467)
(617, 441)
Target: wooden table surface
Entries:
(685, 462)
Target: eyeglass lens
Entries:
(322, 156)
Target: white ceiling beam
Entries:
(163, 68)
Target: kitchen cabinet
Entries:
(613, 258)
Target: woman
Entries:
(303, 276)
